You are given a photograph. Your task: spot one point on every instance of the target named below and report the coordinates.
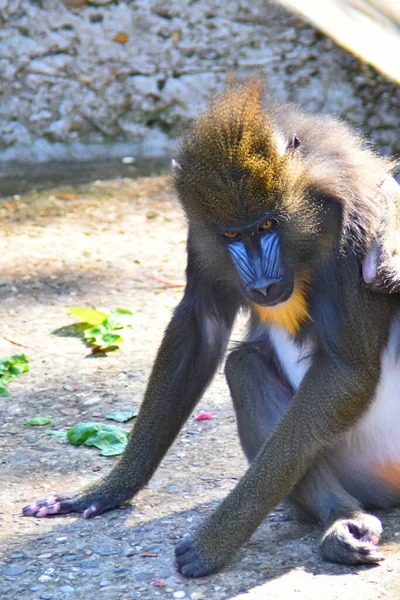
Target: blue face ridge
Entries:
(257, 268)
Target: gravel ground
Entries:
(105, 245)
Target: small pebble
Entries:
(92, 400)
(21, 457)
(104, 583)
(143, 576)
(70, 411)
(61, 540)
(30, 438)
(16, 556)
(179, 594)
(130, 552)
(66, 589)
(171, 489)
(36, 588)
(46, 596)
(90, 563)
(44, 578)
(46, 555)
(13, 570)
(106, 549)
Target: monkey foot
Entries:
(353, 541)
(190, 562)
(88, 504)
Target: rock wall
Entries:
(84, 79)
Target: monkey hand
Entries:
(353, 541)
(90, 501)
(194, 559)
(381, 264)
(381, 267)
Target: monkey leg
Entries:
(352, 535)
(260, 393)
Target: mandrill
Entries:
(287, 213)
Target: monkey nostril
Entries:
(272, 291)
(262, 291)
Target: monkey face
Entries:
(257, 257)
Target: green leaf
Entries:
(114, 450)
(11, 368)
(122, 416)
(88, 315)
(103, 324)
(109, 339)
(4, 391)
(80, 432)
(100, 337)
(109, 439)
(57, 433)
(38, 421)
(119, 318)
(92, 332)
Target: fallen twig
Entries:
(165, 282)
(16, 343)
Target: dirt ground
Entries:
(108, 245)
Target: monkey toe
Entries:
(189, 561)
(353, 541)
(56, 505)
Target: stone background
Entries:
(85, 79)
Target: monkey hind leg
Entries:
(353, 540)
(260, 393)
(351, 535)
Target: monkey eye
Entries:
(232, 235)
(265, 226)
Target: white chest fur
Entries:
(294, 359)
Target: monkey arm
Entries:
(326, 403)
(191, 350)
(193, 345)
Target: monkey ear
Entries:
(294, 143)
(175, 166)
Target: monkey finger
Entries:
(43, 508)
(188, 560)
(369, 265)
(91, 512)
(54, 505)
